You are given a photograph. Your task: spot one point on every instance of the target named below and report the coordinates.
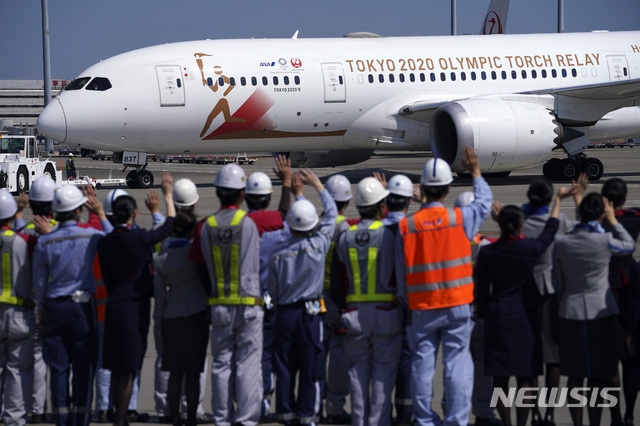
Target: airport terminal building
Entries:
(21, 101)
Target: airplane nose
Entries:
(52, 122)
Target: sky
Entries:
(83, 32)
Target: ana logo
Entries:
(296, 63)
(432, 222)
(267, 64)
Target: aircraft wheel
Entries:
(569, 169)
(551, 169)
(144, 179)
(594, 168)
(131, 179)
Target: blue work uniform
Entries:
(64, 287)
(372, 318)
(296, 279)
(451, 325)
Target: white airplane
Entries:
(513, 98)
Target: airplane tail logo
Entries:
(492, 24)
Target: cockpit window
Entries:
(100, 84)
(78, 83)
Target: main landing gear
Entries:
(567, 169)
(140, 178)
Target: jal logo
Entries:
(296, 63)
(224, 235)
(363, 238)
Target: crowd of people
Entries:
(314, 306)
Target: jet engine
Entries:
(328, 158)
(506, 135)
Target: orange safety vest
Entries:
(101, 290)
(437, 253)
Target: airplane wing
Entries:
(611, 96)
(627, 89)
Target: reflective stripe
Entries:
(404, 402)
(7, 295)
(234, 269)
(68, 238)
(417, 288)
(438, 265)
(287, 416)
(372, 257)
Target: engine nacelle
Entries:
(506, 135)
(329, 158)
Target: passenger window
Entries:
(494, 75)
(463, 76)
(78, 83)
(275, 80)
(381, 78)
(473, 75)
(254, 81)
(543, 73)
(453, 76)
(209, 81)
(534, 74)
(265, 81)
(514, 74)
(443, 77)
(286, 80)
(232, 81)
(296, 79)
(412, 77)
(371, 78)
(99, 84)
(179, 82)
(243, 81)
(574, 72)
(340, 80)
(423, 77)
(221, 81)
(504, 75)
(433, 76)
(554, 73)
(564, 73)
(483, 75)
(391, 78)
(401, 78)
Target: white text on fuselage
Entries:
(474, 62)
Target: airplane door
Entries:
(334, 87)
(171, 85)
(618, 68)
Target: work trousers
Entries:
(70, 344)
(452, 327)
(403, 402)
(268, 379)
(372, 346)
(298, 349)
(38, 403)
(236, 347)
(17, 326)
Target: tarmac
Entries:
(618, 162)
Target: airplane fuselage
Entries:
(335, 94)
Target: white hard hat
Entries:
(71, 154)
(185, 193)
(436, 172)
(8, 205)
(67, 199)
(339, 187)
(231, 176)
(302, 216)
(400, 185)
(42, 189)
(110, 198)
(464, 199)
(258, 183)
(370, 191)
